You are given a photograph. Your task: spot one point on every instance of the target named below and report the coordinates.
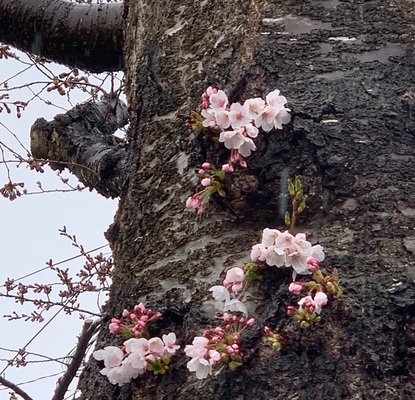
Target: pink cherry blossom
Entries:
(135, 345)
(201, 366)
(246, 147)
(111, 355)
(170, 343)
(156, 346)
(234, 279)
(238, 115)
(209, 116)
(198, 347)
(259, 252)
(218, 101)
(220, 293)
(320, 299)
(232, 139)
(222, 119)
(254, 107)
(269, 236)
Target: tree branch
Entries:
(87, 36)
(15, 388)
(88, 330)
(82, 140)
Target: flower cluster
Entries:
(317, 288)
(134, 324)
(135, 357)
(226, 295)
(218, 346)
(282, 249)
(235, 125)
(138, 353)
(239, 123)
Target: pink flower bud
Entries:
(227, 168)
(291, 310)
(313, 264)
(226, 317)
(296, 287)
(207, 165)
(267, 330)
(250, 322)
(201, 171)
(206, 182)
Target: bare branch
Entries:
(81, 140)
(88, 330)
(87, 36)
(15, 388)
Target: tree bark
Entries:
(87, 36)
(82, 141)
(346, 68)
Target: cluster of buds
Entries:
(139, 353)
(310, 306)
(235, 125)
(134, 324)
(217, 346)
(273, 338)
(212, 181)
(11, 190)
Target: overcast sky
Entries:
(29, 237)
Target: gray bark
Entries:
(357, 171)
(347, 69)
(87, 36)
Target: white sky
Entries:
(29, 237)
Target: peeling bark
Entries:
(85, 36)
(82, 141)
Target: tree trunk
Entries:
(346, 68)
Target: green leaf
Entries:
(298, 186)
(234, 364)
(291, 188)
(220, 174)
(156, 367)
(222, 193)
(287, 218)
(302, 206)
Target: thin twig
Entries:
(15, 388)
(88, 331)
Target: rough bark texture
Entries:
(87, 36)
(352, 140)
(82, 141)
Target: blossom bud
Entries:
(207, 165)
(313, 264)
(226, 317)
(250, 322)
(296, 287)
(206, 182)
(201, 171)
(227, 168)
(291, 310)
